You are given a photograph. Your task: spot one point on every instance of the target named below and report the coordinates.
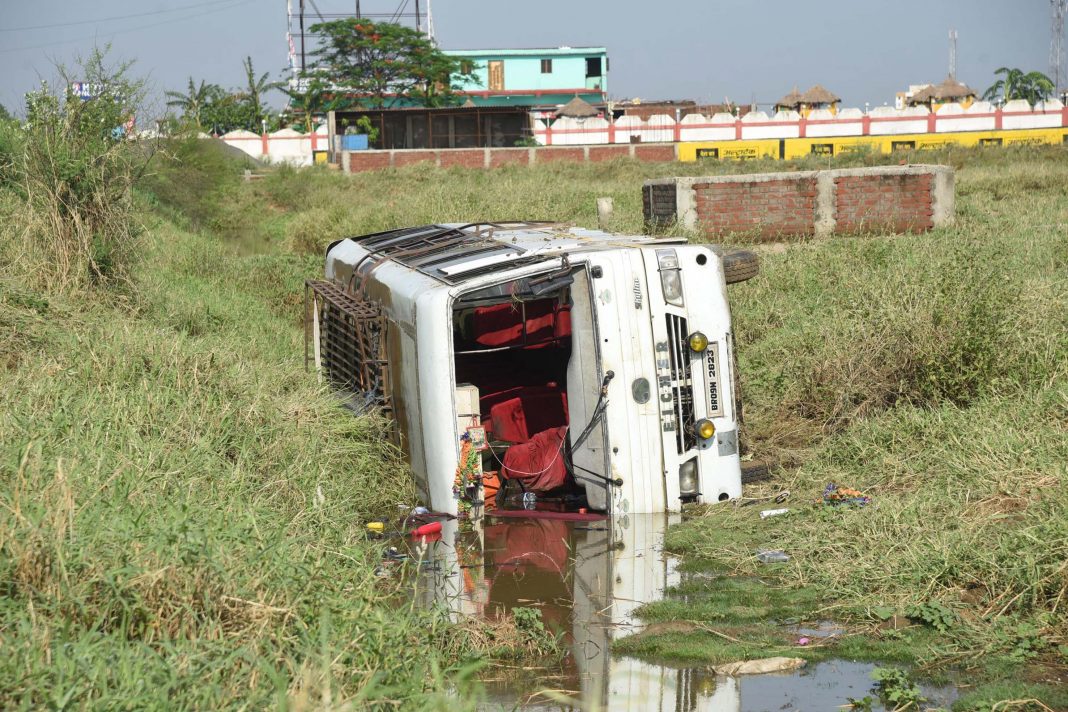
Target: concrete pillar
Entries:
(826, 206)
(604, 212)
(943, 195)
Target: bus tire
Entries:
(740, 265)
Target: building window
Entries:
(593, 66)
(466, 66)
(546, 66)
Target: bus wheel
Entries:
(740, 265)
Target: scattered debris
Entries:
(837, 494)
(427, 529)
(759, 667)
(804, 640)
(772, 556)
(773, 512)
(778, 499)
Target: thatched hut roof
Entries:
(577, 109)
(791, 100)
(949, 90)
(818, 95)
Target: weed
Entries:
(896, 689)
(934, 614)
(75, 169)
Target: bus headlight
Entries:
(704, 429)
(688, 478)
(670, 276)
(698, 342)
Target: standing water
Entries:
(587, 578)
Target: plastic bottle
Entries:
(768, 556)
(773, 512)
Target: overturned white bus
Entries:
(578, 369)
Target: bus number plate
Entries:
(712, 372)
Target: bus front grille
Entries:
(681, 383)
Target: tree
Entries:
(381, 63)
(4, 115)
(1032, 87)
(254, 91)
(226, 111)
(192, 103)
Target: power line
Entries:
(105, 19)
(46, 45)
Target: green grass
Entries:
(931, 372)
(181, 516)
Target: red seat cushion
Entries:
(502, 324)
(539, 463)
(536, 408)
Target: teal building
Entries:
(535, 77)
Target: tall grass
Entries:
(181, 509)
(182, 506)
(931, 372)
(73, 168)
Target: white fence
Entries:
(881, 121)
(289, 146)
(283, 146)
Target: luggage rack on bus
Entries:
(453, 254)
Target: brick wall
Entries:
(658, 204)
(360, 161)
(899, 203)
(768, 208)
(466, 157)
(775, 205)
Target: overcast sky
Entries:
(864, 50)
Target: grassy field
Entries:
(181, 521)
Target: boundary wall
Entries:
(912, 198)
(282, 146)
(360, 161)
(880, 121)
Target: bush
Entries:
(74, 167)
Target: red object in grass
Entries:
(427, 529)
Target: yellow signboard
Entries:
(790, 148)
(730, 150)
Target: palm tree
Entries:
(1032, 87)
(192, 103)
(256, 88)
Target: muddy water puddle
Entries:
(587, 579)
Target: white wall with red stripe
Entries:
(282, 146)
(881, 121)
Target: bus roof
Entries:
(454, 253)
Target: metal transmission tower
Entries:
(1057, 70)
(952, 54)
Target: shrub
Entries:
(75, 167)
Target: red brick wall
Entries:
(877, 203)
(509, 157)
(555, 155)
(407, 158)
(476, 158)
(768, 208)
(368, 160)
(466, 157)
(655, 152)
(908, 198)
(608, 153)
